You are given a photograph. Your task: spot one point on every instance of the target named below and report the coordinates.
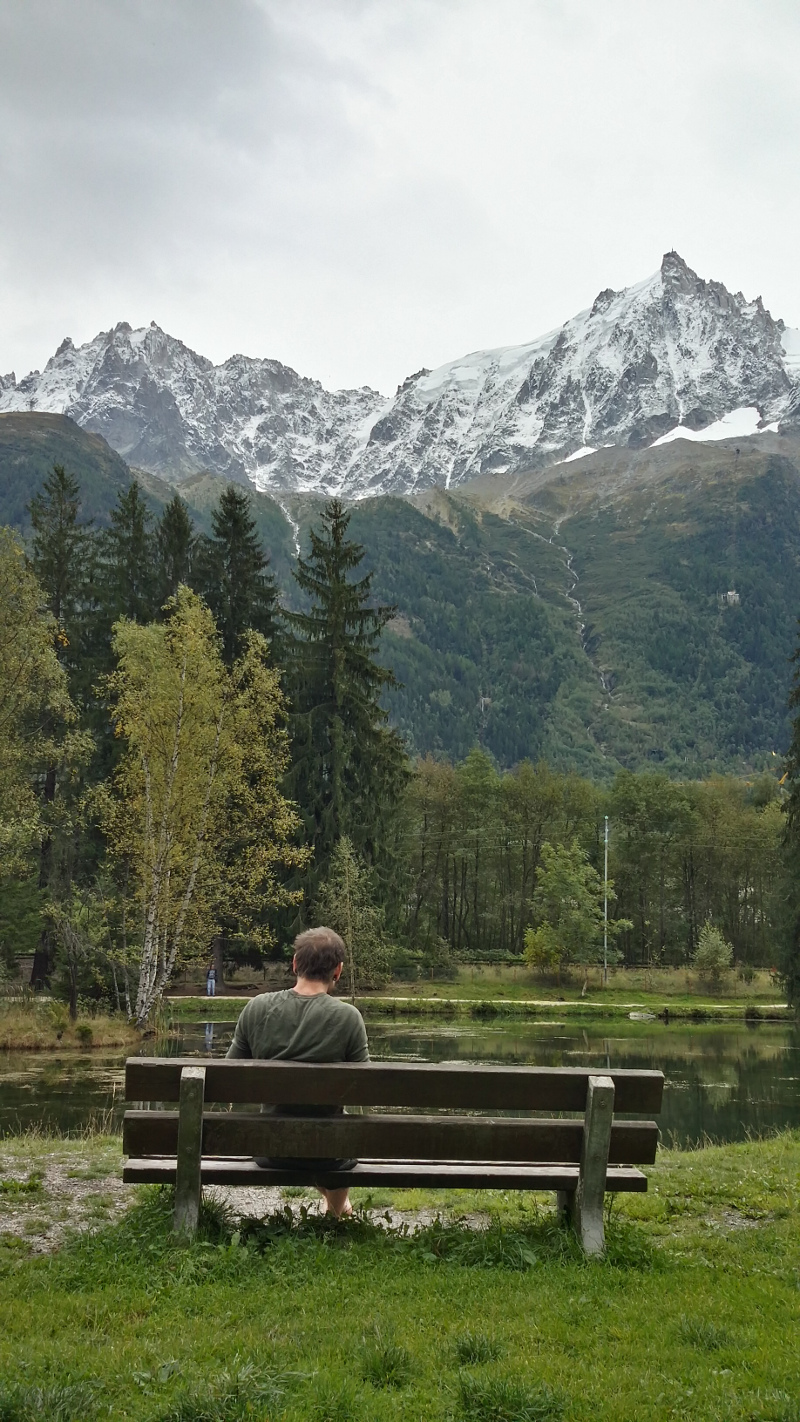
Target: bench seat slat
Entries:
(400, 1174)
(465, 1138)
(469, 1086)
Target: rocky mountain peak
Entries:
(677, 273)
(674, 350)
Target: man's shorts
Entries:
(313, 1166)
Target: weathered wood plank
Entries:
(389, 1137)
(189, 1150)
(412, 1084)
(402, 1175)
(595, 1151)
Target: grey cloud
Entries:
(360, 187)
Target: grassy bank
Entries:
(690, 1316)
(448, 1005)
(485, 991)
(590, 1007)
(37, 1026)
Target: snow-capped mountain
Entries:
(672, 351)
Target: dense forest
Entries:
(192, 764)
(586, 622)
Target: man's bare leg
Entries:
(337, 1201)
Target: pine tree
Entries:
(234, 577)
(127, 575)
(60, 548)
(63, 560)
(36, 715)
(789, 898)
(348, 767)
(175, 545)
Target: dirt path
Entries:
(49, 1190)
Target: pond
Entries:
(723, 1081)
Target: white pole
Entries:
(605, 909)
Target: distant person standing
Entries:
(306, 1024)
(211, 982)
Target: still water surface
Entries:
(723, 1081)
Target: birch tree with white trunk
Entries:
(195, 822)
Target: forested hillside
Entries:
(580, 615)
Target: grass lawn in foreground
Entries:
(694, 1314)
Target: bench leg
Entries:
(594, 1164)
(190, 1151)
(565, 1206)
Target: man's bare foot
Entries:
(337, 1201)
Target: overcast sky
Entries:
(363, 187)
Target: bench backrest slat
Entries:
(453, 1138)
(419, 1084)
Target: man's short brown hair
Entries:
(318, 953)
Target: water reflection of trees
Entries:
(722, 1082)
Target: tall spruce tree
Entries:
(175, 546)
(233, 575)
(789, 908)
(127, 574)
(62, 556)
(60, 550)
(348, 767)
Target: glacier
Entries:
(672, 356)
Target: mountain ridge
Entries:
(674, 352)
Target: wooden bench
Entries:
(580, 1158)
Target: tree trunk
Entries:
(43, 957)
(218, 958)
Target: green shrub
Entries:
(713, 955)
(58, 1015)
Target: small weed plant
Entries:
(472, 1348)
(704, 1334)
(508, 1400)
(68, 1403)
(385, 1363)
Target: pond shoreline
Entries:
(532, 1008)
(726, 1079)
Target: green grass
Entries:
(481, 990)
(689, 1316)
(37, 1025)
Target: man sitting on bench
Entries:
(305, 1024)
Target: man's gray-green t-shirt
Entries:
(289, 1026)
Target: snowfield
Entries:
(673, 357)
